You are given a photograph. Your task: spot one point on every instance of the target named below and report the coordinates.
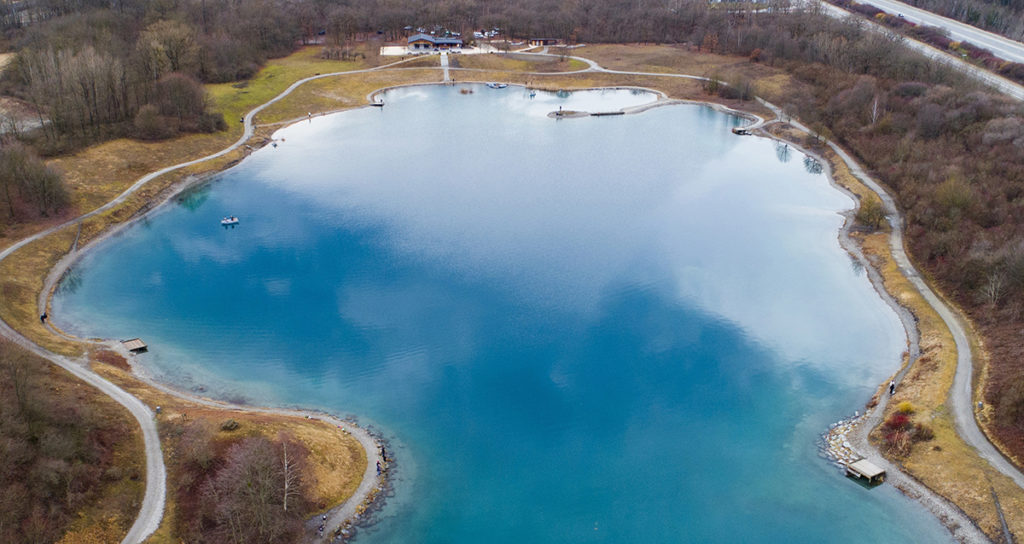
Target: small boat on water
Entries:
(497, 85)
(229, 221)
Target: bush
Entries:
(900, 433)
(898, 421)
(178, 95)
(26, 183)
(871, 213)
(212, 122)
(150, 125)
(910, 89)
(923, 433)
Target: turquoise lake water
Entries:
(617, 329)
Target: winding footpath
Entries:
(152, 509)
(960, 398)
(151, 512)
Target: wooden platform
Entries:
(867, 470)
(135, 345)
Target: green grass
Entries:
(235, 99)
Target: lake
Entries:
(615, 329)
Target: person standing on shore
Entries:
(892, 388)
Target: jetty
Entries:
(867, 470)
(135, 345)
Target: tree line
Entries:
(57, 442)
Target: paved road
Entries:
(1003, 47)
(1000, 83)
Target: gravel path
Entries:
(152, 508)
(339, 515)
(151, 512)
(959, 524)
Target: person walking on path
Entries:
(892, 388)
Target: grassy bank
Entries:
(944, 463)
(330, 474)
(96, 175)
(516, 63)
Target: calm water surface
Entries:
(624, 329)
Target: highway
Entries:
(996, 81)
(1001, 46)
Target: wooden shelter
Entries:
(867, 470)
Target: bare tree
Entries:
(289, 475)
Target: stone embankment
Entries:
(835, 444)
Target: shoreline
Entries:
(340, 517)
(344, 518)
(855, 440)
(64, 264)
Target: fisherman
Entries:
(892, 388)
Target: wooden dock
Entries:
(867, 470)
(135, 345)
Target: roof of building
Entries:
(434, 40)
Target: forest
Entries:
(951, 150)
(59, 441)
